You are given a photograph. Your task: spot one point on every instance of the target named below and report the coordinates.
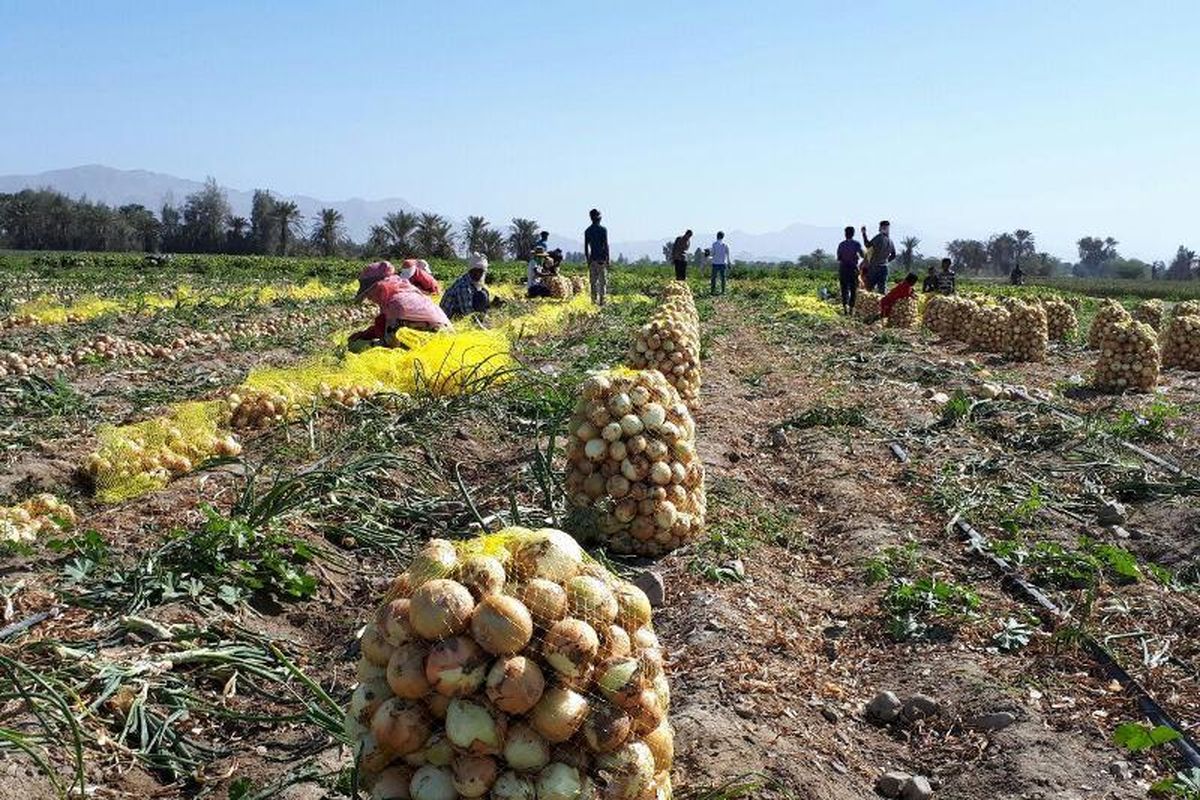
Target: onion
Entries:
(373, 757)
(559, 781)
(559, 714)
(514, 685)
(474, 775)
(364, 670)
(437, 751)
(511, 786)
(374, 647)
(456, 667)
(620, 679)
(614, 641)
(472, 728)
(483, 575)
(501, 625)
(591, 600)
(406, 671)
(570, 647)
(619, 404)
(546, 601)
(524, 748)
(367, 698)
(606, 728)
(437, 559)
(392, 620)
(663, 690)
(633, 607)
(440, 608)
(437, 705)
(549, 554)
(653, 416)
(433, 783)
(354, 729)
(661, 742)
(630, 771)
(596, 449)
(645, 711)
(392, 784)
(400, 726)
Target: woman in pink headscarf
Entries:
(403, 299)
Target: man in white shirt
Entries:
(720, 261)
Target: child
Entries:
(901, 290)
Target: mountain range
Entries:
(118, 187)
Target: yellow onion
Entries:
(553, 555)
(392, 621)
(645, 711)
(437, 705)
(606, 728)
(367, 698)
(614, 641)
(633, 607)
(661, 742)
(570, 647)
(590, 600)
(483, 575)
(546, 601)
(440, 608)
(559, 714)
(474, 775)
(501, 624)
(373, 756)
(512, 786)
(472, 728)
(437, 751)
(437, 559)
(367, 671)
(455, 667)
(630, 771)
(559, 781)
(620, 679)
(406, 671)
(433, 783)
(515, 684)
(392, 784)
(374, 647)
(400, 726)
(525, 750)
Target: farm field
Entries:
(189, 627)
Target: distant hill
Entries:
(121, 186)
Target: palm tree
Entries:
(287, 217)
(400, 226)
(434, 236)
(492, 245)
(327, 231)
(522, 236)
(1025, 244)
(473, 234)
(910, 249)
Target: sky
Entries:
(953, 119)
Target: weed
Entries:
(1136, 737)
(1182, 785)
(1149, 425)
(822, 416)
(1014, 635)
(916, 609)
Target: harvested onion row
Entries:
(670, 342)
(1061, 322)
(1128, 357)
(867, 304)
(1152, 312)
(1181, 342)
(513, 667)
(988, 328)
(904, 313)
(1028, 335)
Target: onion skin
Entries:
(570, 647)
(633, 607)
(614, 642)
(513, 786)
(559, 714)
(406, 671)
(437, 559)
(482, 575)
(367, 698)
(474, 729)
(559, 782)
(433, 783)
(590, 599)
(392, 619)
(526, 750)
(606, 728)
(392, 784)
(456, 667)
(514, 685)
(661, 742)
(400, 726)
(620, 679)
(440, 608)
(374, 647)
(546, 601)
(502, 625)
(645, 711)
(474, 775)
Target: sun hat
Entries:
(371, 275)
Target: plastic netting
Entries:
(548, 316)
(810, 306)
(51, 311)
(516, 664)
(22, 523)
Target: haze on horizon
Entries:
(952, 120)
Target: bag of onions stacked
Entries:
(560, 287)
(988, 330)
(1128, 357)
(867, 305)
(1152, 312)
(962, 311)
(904, 313)
(1181, 340)
(634, 477)
(1027, 334)
(670, 343)
(513, 667)
(1061, 323)
(937, 313)
(1110, 313)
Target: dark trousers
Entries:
(719, 270)
(680, 269)
(877, 278)
(848, 280)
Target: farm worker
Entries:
(883, 252)
(416, 271)
(1017, 276)
(535, 271)
(947, 278)
(901, 290)
(679, 255)
(543, 242)
(849, 252)
(595, 250)
(468, 294)
(720, 261)
(402, 302)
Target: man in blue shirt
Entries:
(595, 250)
(848, 254)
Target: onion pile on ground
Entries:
(1181, 340)
(257, 409)
(867, 305)
(348, 396)
(176, 454)
(1027, 335)
(42, 513)
(937, 314)
(670, 342)
(962, 311)
(904, 313)
(1152, 312)
(512, 667)
(579, 284)
(560, 287)
(1128, 357)
(988, 329)
(1110, 313)
(1061, 322)
(634, 476)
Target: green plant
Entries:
(914, 608)
(1136, 737)
(1149, 425)
(1013, 636)
(1183, 785)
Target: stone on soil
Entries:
(989, 723)
(920, 706)
(917, 788)
(890, 784)
(884, 707)
(651, 583)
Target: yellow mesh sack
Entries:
(548, 315)
(809, 306)
(50, 311)
(514, 664)
(41, 514)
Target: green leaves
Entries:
(1136, 737)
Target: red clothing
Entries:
(899, 292)
(402, 301)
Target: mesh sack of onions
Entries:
(1188, 308)
(988, 330)
(41, 514)
(579, 284)
(513, 667)
(1061, 322)
(1128, 357)
(1027, 333)
(937, 313)
(634, 477)
(904, 313)
(867, 305)
(1181, 342)
(559, 286)
(669, 343)
(1111, 312)
(257, 409)
(1152, 312)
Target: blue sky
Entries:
(951, 118)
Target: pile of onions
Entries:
(1110, 313)
(904, 313)
(1028, 334)
(962, 311)
(257, 409)
(988, 328)
(1128, 357)
(633, 475)
(511, 667)
(1061, 322)
(579, 284)
(1181, 340)
(670, 342)
(937, 314)
(174, 455)
(560, 287)
(42, 513)
(1152, 312)
(348, 396)
(867, 304)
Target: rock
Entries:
(737, 568)
(779, 438)
(988, 391)
(829, 713)
(917, 788)
(989, 723)
(1110, 512)
(651, 582)
(1121, 770)
(884, 707)
(939, 398)
(890, 784)
(920, 706)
